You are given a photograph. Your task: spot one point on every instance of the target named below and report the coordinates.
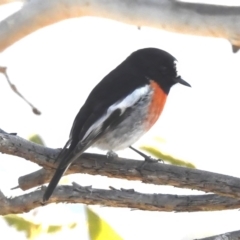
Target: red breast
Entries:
(158, 101)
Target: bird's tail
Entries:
(62, 158)
(66, 157)
(52, 185)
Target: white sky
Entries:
(56, 68)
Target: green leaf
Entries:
(167, 158)
(31, 229)
(54, 229)
(57, 228)
(98, 228)
(36, 139)
(72, 225)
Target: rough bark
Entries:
(95, 164)
(127, 198)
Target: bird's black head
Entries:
(157, 65)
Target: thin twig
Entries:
(3, 70)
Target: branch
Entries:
(120, 168)
(95, 164)
(181, 17)
(117, 198)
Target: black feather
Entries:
(52, 185)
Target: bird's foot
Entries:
(147, 159)
(111, 154)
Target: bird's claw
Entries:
(153, 160)
(150, 160)
(111, 154)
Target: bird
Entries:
(121, 108)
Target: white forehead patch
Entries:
(177, 68)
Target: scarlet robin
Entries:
(121, 108)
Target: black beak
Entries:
(181, 81)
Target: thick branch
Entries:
(180, 17)
(95, 164)
(117, 198)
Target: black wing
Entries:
(67, 156)
(115, 86)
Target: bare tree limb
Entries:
(3, 70)
(120, 168)
(181, 17)
(95, 164)
(34, 179)
(117, 198)
(226, 236)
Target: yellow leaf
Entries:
(54, 229)
(36, 139)
(100, 229)
(32, 230)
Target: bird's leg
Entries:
(146, 157)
